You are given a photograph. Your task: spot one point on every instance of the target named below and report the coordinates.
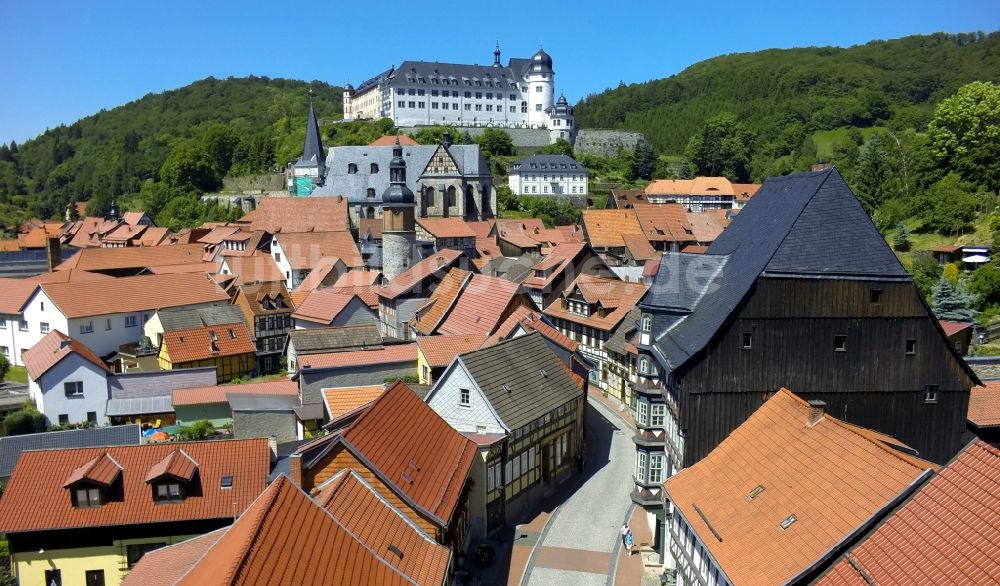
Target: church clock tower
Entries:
(399, 235)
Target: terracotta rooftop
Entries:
(273, 294)
(374, 521)
(984, 404)
(792, 488)
(323, 306)
(327, 271)
(133, 294)
(133, 257)
(256, 268)
(370, 227)
(745, 191)
(946, 248)
(198, 344)
(177, 464)
(357, 279)
(342, 400)
(51, 349)
(154, 236)
(624, 198)
(669, 187)
(948, 533)
(404, 282)
(305, 250)
(604, 228)
(953, 327)
(220, 393)
(14, 293)
(483, 228)
(707, 225)
(390, 140)
(299, 214)
(284, 537)
(368, 293)
(429, 315)
(481, 306)
(639, 247)
(446, 227)
(616, 297)
(388, 354)
(208, 268)
(411, 447)
(553, 265)
(664, 222)
(441, 350)
(102, 470)
(689, 249)
(35, 498)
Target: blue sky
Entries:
(64, 60)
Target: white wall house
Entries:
(73, 391)
(548, 175)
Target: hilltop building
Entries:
(310, 169)
(520, 94)
(548, 175)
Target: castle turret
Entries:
(310, 169)
(541, 88)
(399, 237)
(561, 123)
(348, 104)
(113, 213)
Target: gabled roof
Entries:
(367, 293)
(299, 214)
(327, 271)
(805, 223)
(555, 263)
(390, 140)
(434, 266)
(340, 401)
(284, 537)
(442, 299)
(341, 338)
(639, 247)
(216, 394)
(361, 278)
(14, 293)
(822, 480)
(409, 446)
(186, 318)
(324, 305)
(664, 222)
(373, 520)
(133, 294)
(177, 464)
(101, 469)
(446, 227)
(256, 293)
(35, 499)
(984, 404)
(208, 342)
(441, 350)
(480, 307)
(604, 228)
(134, 257)
(394, 354)
(518, 364)
(707, 225)
(52, 349)
(68, 275)
(256, 268)
(953, 327)
(617, 297)
(948, 533)
(305, 250)
(11, 447)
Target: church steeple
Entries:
(398, 219)
(312, 151)
(113, 214)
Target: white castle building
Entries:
(422, 93)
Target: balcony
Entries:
(645, 497)
(647, 438)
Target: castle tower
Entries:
(310, 169)
(561, 122)
(399, 237)
(541, 88)
(348, 105)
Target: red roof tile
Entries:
(441, 350)
(69, 275)
(177, 464)
(305, 250)
(134, 257)
(169, 564)
(342, 400)
(14, 293)
(618, 297)
(220, 393)
(323, 306)
(368, 293)
(482, 304)
(197, 344)
(327, 271)
(361, 278)
(51, 349)
(36, 500)
(605, 228)
(256, 268)
(953, 327)
(390, 140)
(984, 404)
(436, 264)
(102, 470)
(429, 315)
(299, 214)
(132, 294)
(446, 227)
(388, 354)
(829, 476)
(949, 532)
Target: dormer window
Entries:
(168, 492)
(647, 323)
(171, 478)
(87, 497)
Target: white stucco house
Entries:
(548, 175)
(66, 380)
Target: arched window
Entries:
(647, 322)
(643, 364)
(352, 168)
(374, 169)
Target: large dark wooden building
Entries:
(802, 292)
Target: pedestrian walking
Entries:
(629, 542)
(625, 531)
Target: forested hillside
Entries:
(781, 96)
(236, 126)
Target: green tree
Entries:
(495, 142)
(643, 162)
(435, 134)
(189, 167)
(560, 147)
(219, 141)
(965, 133)
(901, 240)
(25, 420)
(4, 367)
(722, 147)
(506, 199)
(926, 271)
(876, 175)
(953, 302)
(948, 205)
(985, 283)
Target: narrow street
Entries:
(581, 539)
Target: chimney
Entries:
(446, 140)
(52, 252)
(816, 410)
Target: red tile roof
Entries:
(429, 315)
(177, 464)
(689, 249)
(283, 538)
(305, 250)
(984, 404)
(220, 393)
(376, 523)
(361, 278)
(51, 349)
(639, 248)
(390, 140)
(327, 271)
(826, 478)
(14, 293)
(707, 225)
(436, 264)
(441, 350)
(167, 565)
(605, 228)
(132, 294)
(948, 533)
(555, 263)
(481, 306)
(368, 293)
(371, 226)
(102, 470)
(388, 354)
(256, 268)
(69, 275)
(208, 268)
(36, 500)
(617, 297)
(197, 344)
(446, 227)
(342, 400)
(664, 222)
(323, 306)
(299, 214)
(953, 327)
(946, 248)
(134, 257)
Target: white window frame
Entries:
(43, 327)
(657, 414)
(640, 466)
(464, 397)
(656, 464)
(76, 386)
(642, 413)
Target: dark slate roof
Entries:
(372, 82)
(159, 383)
(320, 340)
(549, 163)
(616, 343)
(354, 186)
(806, 223)
(258, 402)
(116, 435)
(503, 78)
(140, 406)
(518, 363)
(187, 318)
(312, 151)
